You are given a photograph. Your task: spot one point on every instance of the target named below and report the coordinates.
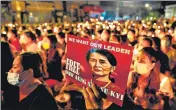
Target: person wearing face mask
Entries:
(168, 50)
(147, 88)
(163, 58)
(143, 42)
(131, 37)
(53, 57)
(25, 73)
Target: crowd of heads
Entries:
(156, 38)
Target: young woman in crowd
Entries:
(13, 40)
(33, 94)
(116, 39)
(131, 37)
(28, 42)
(53, 57)
(168, 50)
(146, 85)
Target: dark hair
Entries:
(149, 40)
(4, 36)
(151, 52)
(108, 31)
(7, 56)
(107, 54)
(6, 28)
(38, 32)
(53, 40)
(6, 61)
(100, 31)
(30, 35)
(23, 27)
(118, 37)
(49, 31)
(152, 30)
(124, 38)
(71, 32)
(157, 42)
(61, 34)
(132, 30)
(32, 61)
(117, 32)
(14, 31)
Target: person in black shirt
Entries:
(33, 94)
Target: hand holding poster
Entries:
(104, 64)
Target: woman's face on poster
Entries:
(100, 64)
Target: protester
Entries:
(53, 58)
(25, 73)
(13, 40)
(116, 39)
(28, 42)
(4, 37)
(168, 50)
(143, 35)
(105, 35)
(131, 37)
(38, 35)
(164, 61)
(146, 83)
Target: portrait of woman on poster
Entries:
(103, 65)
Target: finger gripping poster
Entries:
(104, 64)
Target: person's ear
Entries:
(112, 68)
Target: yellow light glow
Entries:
(93, 37)
(18, 8)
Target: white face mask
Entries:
(13, 79)
(143, 68)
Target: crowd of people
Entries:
(34, 58)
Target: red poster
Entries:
(104, 64)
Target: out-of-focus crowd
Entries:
(29, 49)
